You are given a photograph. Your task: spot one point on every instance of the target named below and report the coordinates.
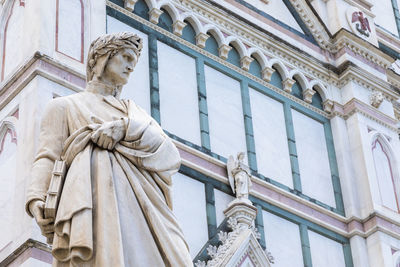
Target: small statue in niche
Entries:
(239, 178)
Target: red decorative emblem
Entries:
(362, 23)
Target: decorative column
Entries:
(223, 51)
(327, 105)
(308, 94)
(177, 27)
(245, 62)
(266, 73)
(130, 4)
(155, 14)
(201, 39)
(287, 84)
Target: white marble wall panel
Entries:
(387, 108)
(278, 10)
(270, 138)
(69, 31)
(385, 16)
(384, 177)
(325, 252)
(138, 86)
(189, 206)
(8, 166)
(31, 262)
(221, 203)
(179, 104)
(282, 238)
(313, 158)
(225, 114)
(13, 40)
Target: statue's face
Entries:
(120, 66)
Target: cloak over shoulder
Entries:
(115, 208)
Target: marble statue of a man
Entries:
(115, 206)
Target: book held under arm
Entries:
(55, 189)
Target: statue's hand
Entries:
(109, 134)
(36, 207)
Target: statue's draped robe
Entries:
(115, 209)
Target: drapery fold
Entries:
(115, 208)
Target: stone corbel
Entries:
(155, 14)
(266, 74)
(287, 84)
(376, 99)
(245, 62)
(178, 26)
(328, 106)
(201, 39)
(308, 94)
(223, 51)
(130, 4)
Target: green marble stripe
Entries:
(259, 222)
(305, 245)
(203, 109)
(248, 125)
(294, 162)
(210, 210)
(334, 169)
(396, 15)
(348, 259)
(154, 81)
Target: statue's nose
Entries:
(129, 68)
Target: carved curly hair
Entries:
(106, 46)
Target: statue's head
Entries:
(112, 57)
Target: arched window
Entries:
(8, 156)
(385, 175)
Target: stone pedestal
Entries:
(242, 211)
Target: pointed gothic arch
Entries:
(386, 171)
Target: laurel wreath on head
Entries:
(109, 45)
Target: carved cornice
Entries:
(368, 81)
(356, 106)
(44, 66)
(28, 244)
(361, 47)
(255, 38)
(312, 22)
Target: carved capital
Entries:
(223, 51)
(201, 39)
(328, 105)
(245, 62)
(308, 94)
(178, 27)
(245, 213)
(287, 84)
(130, 4)
(154, 15)
(266, 74)
(376, 99)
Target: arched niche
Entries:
(386, 172)
(8, 157)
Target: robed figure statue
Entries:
(115, 208)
